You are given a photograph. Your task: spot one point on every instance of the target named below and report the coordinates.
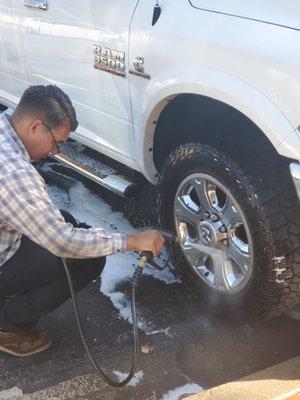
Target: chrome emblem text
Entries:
(108, 60)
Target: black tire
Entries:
(265, 192)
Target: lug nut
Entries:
(223, 229)
(214, 217)
(206, 214)
(225, 242)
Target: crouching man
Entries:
(34, 234)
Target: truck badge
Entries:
(139, 70)
(108, 60)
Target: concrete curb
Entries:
(280, 382)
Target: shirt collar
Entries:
(7, 128)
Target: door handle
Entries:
(40, 4)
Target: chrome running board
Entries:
(97, 171)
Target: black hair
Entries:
(50, 104)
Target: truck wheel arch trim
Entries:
(217, 85)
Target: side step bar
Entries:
(98, 172)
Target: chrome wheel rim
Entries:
(214, 235)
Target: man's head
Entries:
(43, 119)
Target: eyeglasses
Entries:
(57, 144)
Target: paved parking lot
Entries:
(186, 346)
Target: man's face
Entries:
(42, 140)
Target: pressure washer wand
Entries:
(169, 236)
(147, 256)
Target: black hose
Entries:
(107, 379)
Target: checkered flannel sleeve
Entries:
(26, 206)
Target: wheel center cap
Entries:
(207, 234)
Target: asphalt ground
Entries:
(189, 344)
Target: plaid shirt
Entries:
(26, 208)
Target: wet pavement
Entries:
(185, 342)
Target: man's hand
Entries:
(150, 240)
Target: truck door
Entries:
(272, 11)
(82, 46)
(13, 72)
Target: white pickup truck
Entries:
(199, 98)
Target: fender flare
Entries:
(239, 94)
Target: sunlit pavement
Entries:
(280, 382)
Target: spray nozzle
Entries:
(171, 237)
(147, 258)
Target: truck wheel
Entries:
(238, 228)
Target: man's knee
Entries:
(91, 267)
(68, 217)
(96, 266)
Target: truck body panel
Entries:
(270, 11)
(244, 63)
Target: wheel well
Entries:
(194, 118)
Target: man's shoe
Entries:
(22, 344)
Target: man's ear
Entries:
(34, 126)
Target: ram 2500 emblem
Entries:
(108, 60)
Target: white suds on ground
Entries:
(137, 377)
(87, 207)
(188, 389)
